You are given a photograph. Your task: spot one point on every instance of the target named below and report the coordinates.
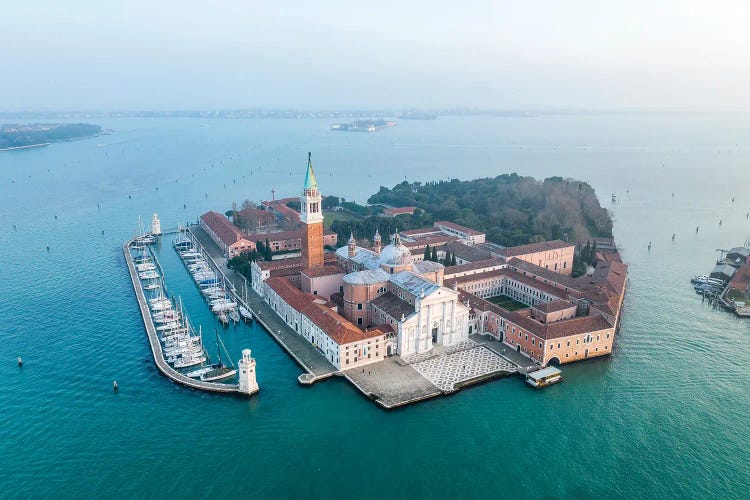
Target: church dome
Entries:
(396, 254)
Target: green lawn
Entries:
(330, 216)
(507, 303)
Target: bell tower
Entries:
(311, 217)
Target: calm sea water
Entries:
(666, 416)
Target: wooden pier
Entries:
(156, 348)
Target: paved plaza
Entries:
(448, 369)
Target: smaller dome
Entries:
(396, 255)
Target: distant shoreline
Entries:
(26, 147)
(41, 144)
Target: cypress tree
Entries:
(427, 252)
(453, 259)
(268, 252)
(434, 255)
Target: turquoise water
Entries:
(665, 416)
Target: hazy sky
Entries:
(562, 54)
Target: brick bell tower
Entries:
(311, 217)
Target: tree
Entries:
(453, 259)
(268, 254)
(427, 254)
(434, 257)
(294, 205)
(330, 201)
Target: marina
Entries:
(174, 344)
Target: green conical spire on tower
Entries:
(310, 182)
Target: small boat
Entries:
(190, 361)
(200, 371)
(233, 315)
(149, 275)
(151, 286)
(246, 315)
(220, 370)
(544, 377)
(219, 373)
(224, 318)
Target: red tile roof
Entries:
(399, 211)
(290, 294)
(340, 329)
(222, 227)
(534, 248)
(458, 227)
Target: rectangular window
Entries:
(359, 321)
(359, 307)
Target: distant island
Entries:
(363, 126)
(15, 136)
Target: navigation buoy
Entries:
(719, 222)
(130, 197)
(102, 232)
(20, 361)
(696, 229)
(48, 247)
(673, 236)
(649, 246)
(114, 386)
(55, 217)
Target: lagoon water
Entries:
(667, 415)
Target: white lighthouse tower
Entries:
(248, 384)
(155, 225)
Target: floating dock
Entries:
(156, 348)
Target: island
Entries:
(363, 126)
(431, 287)
(16, 136)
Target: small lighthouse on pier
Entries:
(247, 381)
(155, 225)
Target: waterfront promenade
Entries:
(155, 344)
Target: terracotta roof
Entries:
(471, 266)
(534, 247)
(506, 273)
(290, 294)
(416, 232)
(420, 242)
(457, 227)
(291, 262)
(339, 329)
(545, 331)
(222, 227)
(325, 270)
(280, 201)
(399, 211)
(554, 306)
(466, 252)
(393, 306)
